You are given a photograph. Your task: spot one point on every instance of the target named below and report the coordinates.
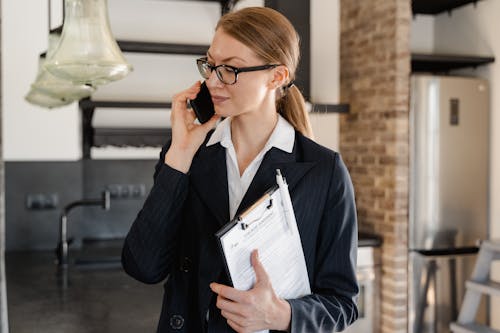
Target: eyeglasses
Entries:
(225, 73)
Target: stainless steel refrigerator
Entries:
(449, 121)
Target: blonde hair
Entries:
(273, 38)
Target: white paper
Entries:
(271, 229)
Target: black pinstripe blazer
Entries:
(173, 236)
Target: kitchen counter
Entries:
(368, 239)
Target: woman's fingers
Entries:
(227, 292)
(235, 326)
(229, 306)
(180, 113)
(211, 123)
(189, 116)
(192, 91)
(261, 275)
(179, 100)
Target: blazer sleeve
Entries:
(149, 249)
(332, 305)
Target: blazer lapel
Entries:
(209, 177)
(265, 177)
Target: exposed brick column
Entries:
(374, 138)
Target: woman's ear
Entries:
(280, 77)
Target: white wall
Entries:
(325, 75)
(469, 30)
(30, 132)
(475, 30)
(422, 34)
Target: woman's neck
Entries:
(250, 133)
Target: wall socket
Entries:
(126, 191)
(42, 201)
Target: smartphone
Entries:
(202, 105)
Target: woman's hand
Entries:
(187, 136)
(256, 309)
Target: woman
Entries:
(204, 178)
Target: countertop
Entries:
(368, 239)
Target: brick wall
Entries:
(374, 138)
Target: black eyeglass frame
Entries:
(204, 61)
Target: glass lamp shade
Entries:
(87, 52)
(41, 97)
(46, 101)
(51, 85)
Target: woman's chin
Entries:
(223, 112)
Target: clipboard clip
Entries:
(245, 226)
(270, 204)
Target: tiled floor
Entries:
(95, 301)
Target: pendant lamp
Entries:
(41, 98)
(46, 101)
(58, 88)
(87, 52)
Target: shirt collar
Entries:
(283, 136)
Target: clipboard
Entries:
(268, 225)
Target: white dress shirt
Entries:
(283, 137)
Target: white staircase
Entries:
(479, 284)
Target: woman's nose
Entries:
(213, 81)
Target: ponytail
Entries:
(292, 107)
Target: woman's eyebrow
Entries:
(226, 59)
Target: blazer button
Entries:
(176, 322)
(186, 265)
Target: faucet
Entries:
(63, 246)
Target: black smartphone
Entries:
(202, 105)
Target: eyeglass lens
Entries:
(226, 74)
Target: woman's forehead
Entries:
(225, 48)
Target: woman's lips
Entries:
(219, 99)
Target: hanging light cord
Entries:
(50, 15)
